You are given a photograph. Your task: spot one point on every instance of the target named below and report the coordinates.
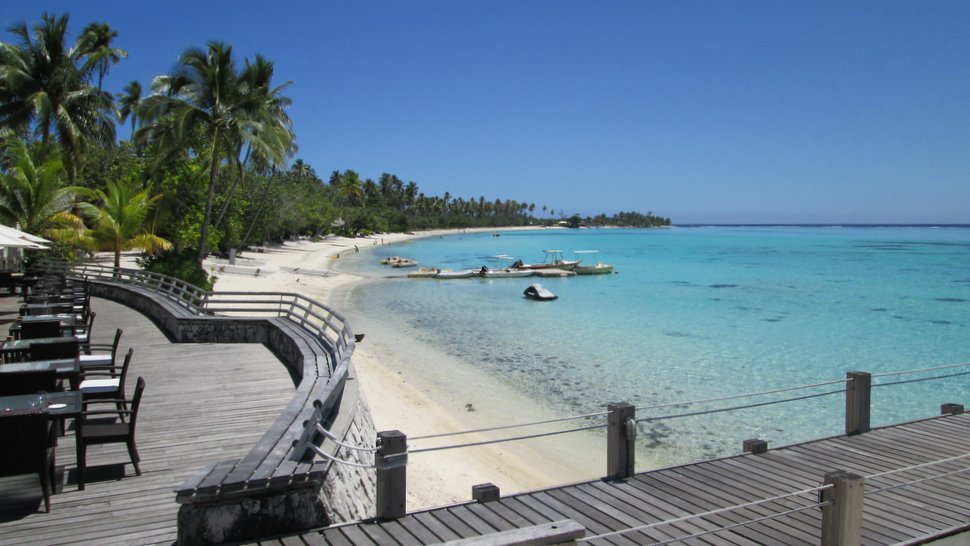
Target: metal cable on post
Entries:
(920, 379)
(333, 438)
(745, 395)
(815, 506)
(715, 512)
(330, 457)
(921, 370)
(506, 427)
(733, 408)
(503, 440)
(917, 481)
(917, 466)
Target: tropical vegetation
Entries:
(211, 164)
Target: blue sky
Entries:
(746, 111)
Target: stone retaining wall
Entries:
(345, 494)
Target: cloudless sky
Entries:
(703, 111)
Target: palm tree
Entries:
(94, 45)
(32, 191)
(351, 188)
(129, 101)
(119, 221)
(205, 96)
(42, 91)
(267, 104)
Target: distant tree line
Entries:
(211, 164)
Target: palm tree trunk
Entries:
(259, 208)
(204, 232)
(232, 190)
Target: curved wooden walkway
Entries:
(202, 402)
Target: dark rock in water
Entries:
(723, 286)
(951, 300)
(942, 322)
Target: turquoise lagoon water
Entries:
(701, 312)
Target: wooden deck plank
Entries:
(623, 497)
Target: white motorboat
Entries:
(592, 265)
(553, 260)
(504, 271)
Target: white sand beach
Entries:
(418, 390)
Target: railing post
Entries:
(858, 390)
(842, 517)
(391, 462)
(621, 441)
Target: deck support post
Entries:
(621, 440)
(486, 492)
(842, 517)
(858, 390)
(755, 446)
(951, 409)
(391, 461)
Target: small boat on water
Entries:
(553, 260)
(446, 274)
(504, 271)
(424, 273)
(537, 292)
(391, 260)
(405, 262)
(595, 268)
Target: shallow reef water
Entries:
(701, 312)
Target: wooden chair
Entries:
(92, 432)
(40, 328)
(28, 447)
(107, 383)
(13, 383)
(100, 355)
(55, 350)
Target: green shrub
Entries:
(180, 265)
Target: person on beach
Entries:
(356, 250)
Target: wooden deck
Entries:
(892, 516)
(202, 403)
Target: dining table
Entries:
(64, 368)
(68, 322)
(13, 349)
(60, 405)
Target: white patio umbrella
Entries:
(17, 234)
(11, 242)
